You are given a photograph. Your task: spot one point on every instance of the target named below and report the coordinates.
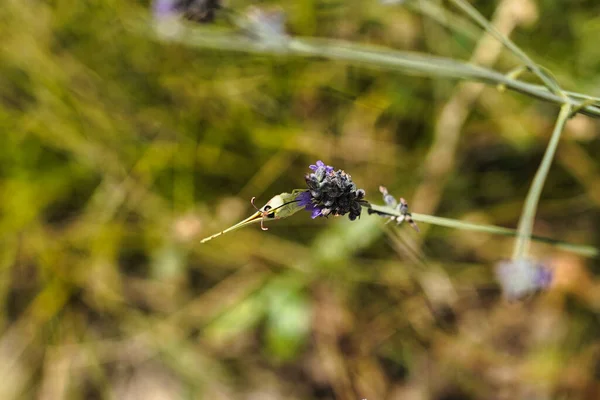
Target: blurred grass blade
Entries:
(531, 202)
(445, 18)
(509, 44)
(411, 63)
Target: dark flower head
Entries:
(193, 10)
(331, 193)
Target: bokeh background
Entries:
(120, 152)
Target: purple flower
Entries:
(320, 164)
(522, 277)
(331, 193)
(305, 200)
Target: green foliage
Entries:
(119, 152)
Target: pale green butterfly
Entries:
(281, 206)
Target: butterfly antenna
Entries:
(262, 220)
(254, 205)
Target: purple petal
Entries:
(304, 199)
(320, 164)
(315, 167)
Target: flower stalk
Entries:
(333, 193)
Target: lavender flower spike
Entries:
(331, 192)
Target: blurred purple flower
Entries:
(522, 277)
(164, 8)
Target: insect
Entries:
(401, 206)
(281, 206)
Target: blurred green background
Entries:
(120, 152)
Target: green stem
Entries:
(531, 202)
(587, 251)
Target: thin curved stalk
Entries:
(586, 251)
(533, 196)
